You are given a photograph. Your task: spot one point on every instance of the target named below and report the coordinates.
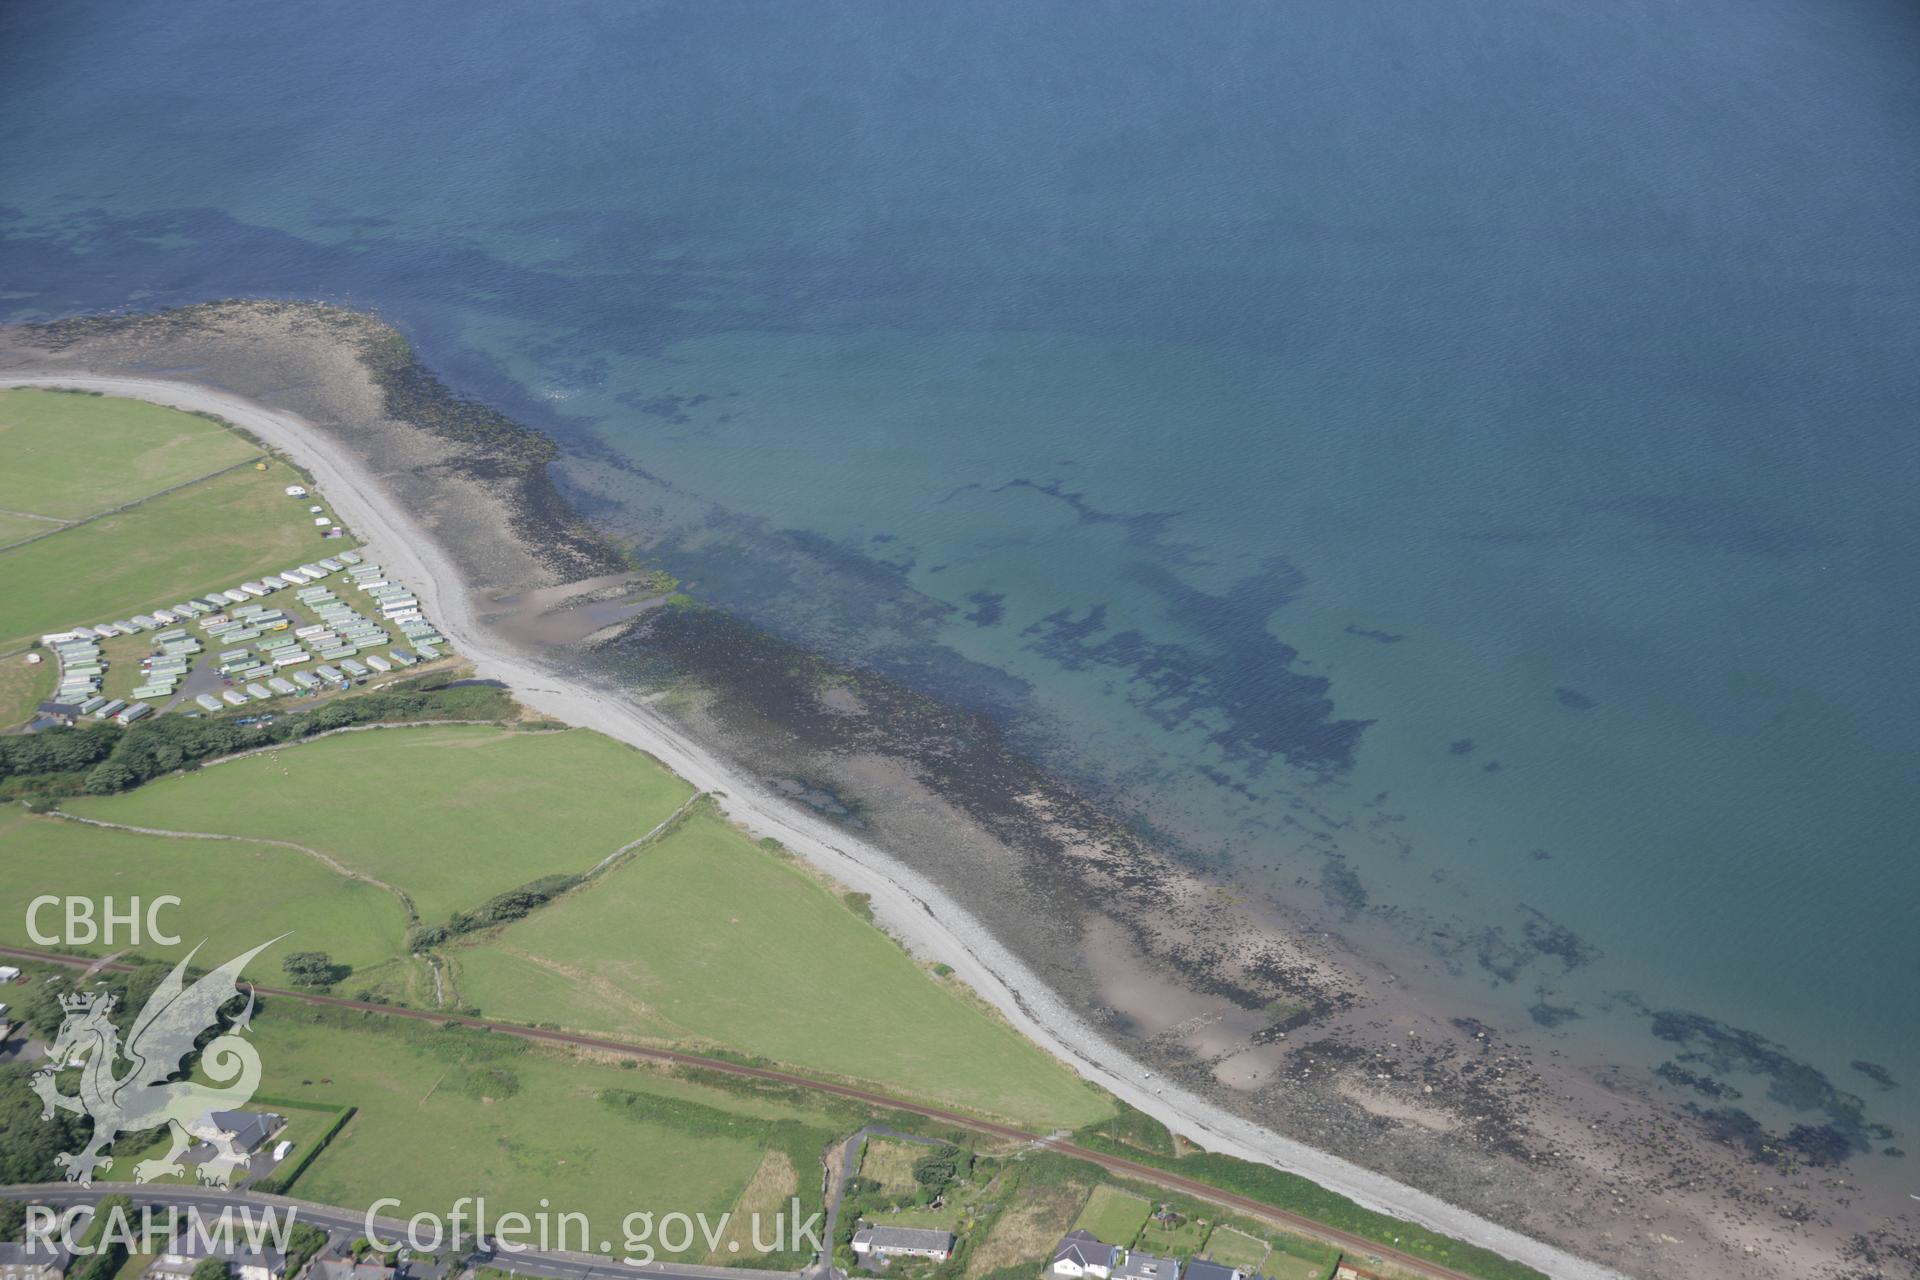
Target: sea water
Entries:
(1460, 452)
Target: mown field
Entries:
(1114, 1216)
(23, 685)
(705, 938)
(71, 457)
(451, 814)
(233, 896)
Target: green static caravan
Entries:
(208, 701)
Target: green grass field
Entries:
(705, 938)
(205, 537)
(1114, 1216)
(452, 814)
(1181, 1241)
(443, 1115)
(1235, 1248)
(233, 896)
(70, 456)
(23, 685)
(14, 527)
(702, 939)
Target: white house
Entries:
(1080, 1253)
(186, 1252)
(903, 1242)
(1145, 1266)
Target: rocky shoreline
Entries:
(1253, 1007)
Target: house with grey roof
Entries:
(1081, 1253)
(1207, 1269)
(883, 1243)
(1145, 1266)
(247, 1130)
(347, 1269)
(34, 1260)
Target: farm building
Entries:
(903, 1242)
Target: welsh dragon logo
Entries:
(144, 1098)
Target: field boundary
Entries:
(326, 860)
(65, 525)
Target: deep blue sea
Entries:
(1470, 441)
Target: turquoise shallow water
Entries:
(1473, 441)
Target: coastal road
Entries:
(548, 1263)
(1117, 1165)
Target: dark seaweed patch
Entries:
(988, 608)
(1552, 1015)
(1342, 886)
(1236, 681)
(1369, 633)
(1574, 698)
(1551, 938)
(1460, 747)
(1797, 1085)
(1675, 1074)
(1875, 1072)
(672, 408)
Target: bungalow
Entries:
(60, 712)
(903, 1242)
(247, 1130)
(342, 1269)
(1080, 1253)
(34, 1260)
(1144, 1266)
